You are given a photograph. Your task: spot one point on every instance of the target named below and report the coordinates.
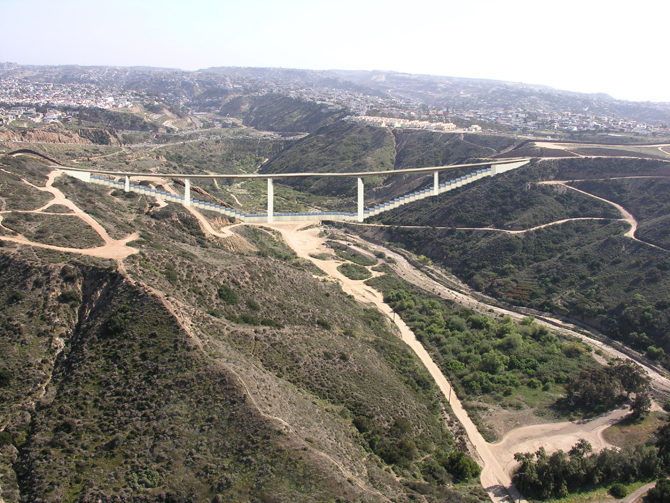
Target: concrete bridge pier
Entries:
(271, 202)
(436, 183)
(187, 192)
(126, 187)
(361, 214)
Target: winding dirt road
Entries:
(112, 249)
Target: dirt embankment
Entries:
(60, 135)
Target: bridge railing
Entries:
(485, 169)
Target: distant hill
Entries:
(274, 112)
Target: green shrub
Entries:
(228, 295)
(5, 438)
(253, 305)
(68, 274)
(69, 297)
(15, 298)
(118, 321)
(249, 320)
(354, 271)
(266, 322)
(323, 324)
(534, 383)
(655, 353)
(171, 275)
(461, 466)
(618, 491)
(5, 378)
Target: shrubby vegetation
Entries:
(354, 271)
(347, 253)
(586, 270)
(500, 358)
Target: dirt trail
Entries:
(112, 249)
(628, 217)
(492, 229)
(494, 479)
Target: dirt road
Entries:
(305, 242)
(112, 249)
(554, 436)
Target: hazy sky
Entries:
(620, 48)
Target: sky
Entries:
(618, 48)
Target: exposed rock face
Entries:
(60, 135)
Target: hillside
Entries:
(342, 147)
(648, 199)
(203, 369)
(586, 269)
(348, 147)
(280, 113)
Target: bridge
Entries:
(123, 179)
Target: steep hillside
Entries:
(201, 370)
(585, 268)
(648, 199)
(419, 149)
(513, 200)
(347, 147)
(341, 147)
(280, 113)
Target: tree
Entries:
(641, 405)
(630, 375)
(663, 444)
(660, 493)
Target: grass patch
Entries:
(630, 431)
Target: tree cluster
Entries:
(543, 476)
(602, 388)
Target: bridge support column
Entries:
(436, 183)
(271, 202)
(494, 171)
(360, 200)
(127, 185)
(187, 192)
